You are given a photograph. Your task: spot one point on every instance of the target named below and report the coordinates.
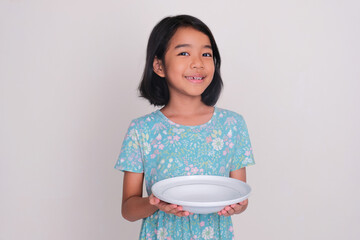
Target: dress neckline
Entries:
(188, 126)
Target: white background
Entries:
(69, 72)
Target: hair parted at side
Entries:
(153, 87)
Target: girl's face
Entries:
(189, 64)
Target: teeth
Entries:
(195, 78)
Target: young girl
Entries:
(187, 136)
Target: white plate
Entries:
(201, 194)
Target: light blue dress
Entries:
(161, 149)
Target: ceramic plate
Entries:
(201, 194)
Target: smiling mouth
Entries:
(195, 79)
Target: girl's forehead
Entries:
(189, 35)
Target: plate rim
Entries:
(157, 187)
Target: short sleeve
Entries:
(130, 158)
(243, 155)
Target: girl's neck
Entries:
(188, 112)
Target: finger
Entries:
(231, 211)
(186, 213)
(170, 208)
(179, 214)
(245, 202)
(239, 208)
(163, 206)
(153, 200)
(226, 214)
(182, 214)
(175, 210)
(222, 212)
(228, 211)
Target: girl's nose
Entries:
(197, 63)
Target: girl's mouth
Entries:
(195, 79)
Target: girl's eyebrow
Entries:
(189, 45)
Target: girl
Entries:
(187, 136)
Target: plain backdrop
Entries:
(69, 73)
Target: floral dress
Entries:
(161, 149)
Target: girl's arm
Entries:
(135, 207)
(238, 208)
(239, 174)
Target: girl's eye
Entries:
(184, 54)
(207, 55)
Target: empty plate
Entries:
(202, 194)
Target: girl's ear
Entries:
(158, 67)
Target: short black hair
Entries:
(152, 86)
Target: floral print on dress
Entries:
(161, 149)
(208, 233)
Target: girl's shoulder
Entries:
(228, 119)
(147, 117)
(225, 113)
(146, 120)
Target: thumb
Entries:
(153, 200)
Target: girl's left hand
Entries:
(234, 208)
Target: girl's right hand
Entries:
(168, 207)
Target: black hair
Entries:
(152, 86)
